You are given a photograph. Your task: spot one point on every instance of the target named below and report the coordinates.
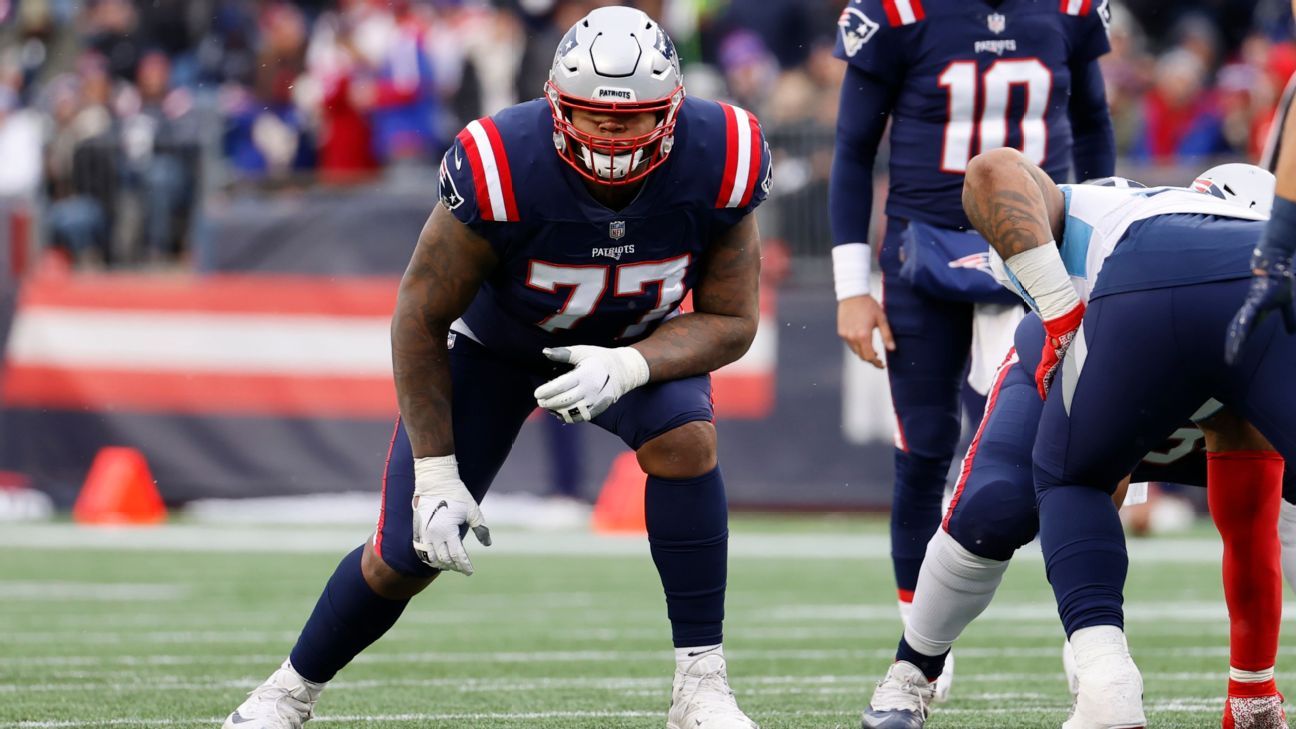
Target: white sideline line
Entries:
(1185, 706)
(269, 539)
(1050, 652)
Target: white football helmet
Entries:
(615, 60)
(1244, 185)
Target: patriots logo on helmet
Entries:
(856, 30)
(1208, 187)
(568, 42)
(450, 196)
(664, 45)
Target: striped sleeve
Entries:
(476, 182)
(748, 169)
(1089, 20)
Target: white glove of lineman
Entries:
(442, 505)
(601, 376)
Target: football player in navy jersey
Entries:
(550, 275)
(954, 77)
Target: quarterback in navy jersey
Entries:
(953, 77)
(550, 275)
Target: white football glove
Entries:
(601, 376)
(442, 505)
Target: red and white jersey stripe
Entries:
(1077, 7)
(969, 460)
(491, 176)
(904, 12)
(743, 148)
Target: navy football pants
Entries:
(492, 397)
(993, 512)
(926, 372)
(1145, 362)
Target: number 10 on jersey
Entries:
(960, 80)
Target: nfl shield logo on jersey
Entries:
(616, 229)
(997, 22)
(856, 30)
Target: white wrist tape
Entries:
(438, 476)
(1042, 274)
(852, 264)
(633, 368)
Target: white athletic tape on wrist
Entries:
(852, 265)
(1041, 272)
(438, 476)
(634, 367)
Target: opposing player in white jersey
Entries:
(993, 514)
(1136, 290)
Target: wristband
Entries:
(852, 264)
(1279, 239)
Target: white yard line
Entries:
(263, 539)
(1203, 705)
(765, 684)
(90, 591)
(184, 659)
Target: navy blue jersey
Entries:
(971, 75)
(572, 271)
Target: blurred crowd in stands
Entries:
(117, 116)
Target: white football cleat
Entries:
(701, 698)
(900, 699)
(1069, 668)
(1109, 687)
(284, 701)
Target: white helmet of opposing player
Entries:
(615, 60)
(1244, 185)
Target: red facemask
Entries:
(613, 161)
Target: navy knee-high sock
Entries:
(347, 619)
(688, 534)
(915, 515)
(1084, 555)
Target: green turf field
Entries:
(171, 627)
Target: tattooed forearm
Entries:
(726, 309)
(693, 344)
(443, 275)
(1009, 220)
(1007, 201)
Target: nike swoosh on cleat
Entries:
(237, 718)
(691, 654)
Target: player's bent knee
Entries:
(1227, 431)
(688, 451)
(995, 525)
(383, 579)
